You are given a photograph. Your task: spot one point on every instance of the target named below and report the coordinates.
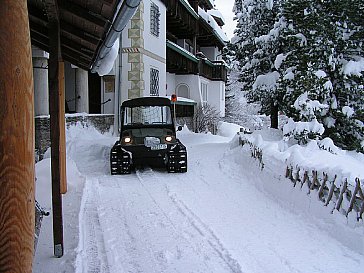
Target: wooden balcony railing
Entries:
(182, 20)
(179, 61)
(215, 71)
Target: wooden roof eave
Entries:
(208, 36)
(82, 27)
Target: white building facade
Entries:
(170, 47)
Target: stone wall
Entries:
(102, 123)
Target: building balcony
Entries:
(215, 71)
(180, 61)
(210, 33)
(182, 19)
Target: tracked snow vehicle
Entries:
(147, 137)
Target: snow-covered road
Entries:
(214, 218)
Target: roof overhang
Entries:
(85, 26)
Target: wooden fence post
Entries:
(341, 196)
(314, 180)
(353, 197)
(305, 179)
(322, 187)
(16, 139)
(361, 194)
(331, 192)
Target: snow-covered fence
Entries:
(256, 152)
(344, 196)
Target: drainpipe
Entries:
(125, 12)
(117, 98)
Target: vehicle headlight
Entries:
(168, 138)
(127, 139)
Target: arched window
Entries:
(183, 91)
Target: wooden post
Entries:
(361, 194)
(341, 196)
(62, 131)
(353, 197)
(304, 180)
(331, 191)
(56, 145)
(322, 187)
(314, 180)
(16, 139)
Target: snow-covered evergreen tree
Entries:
(287, 48)
(258, 44)
(325, 43)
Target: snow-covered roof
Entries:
(211, 21)
(211, 2)
(189, 7)
(217, 15)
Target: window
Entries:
(204, 92)
(154, 82)
(154, 19)
(147, 115)
(182, 91)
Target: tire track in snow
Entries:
(202, 229)
(206, 232)
(91, 256)
(147, 177)
(121, 242)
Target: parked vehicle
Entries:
(148, 137)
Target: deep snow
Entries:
(223, 215)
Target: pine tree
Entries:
(258, 44)
(326, 39)
(287, 48)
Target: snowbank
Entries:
(227, 129)
(344, 164)
(223, 208)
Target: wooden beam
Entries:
(83, 13)
(76, 53)
(40, 29)
(40, 45)
(39, 37)
(37, 15)
(107, 2)
(76, 61)
(62, 129)
(79, 33)
(39, 40)
(16, 139)
(75, 57)
(51, 9)
(56, 118)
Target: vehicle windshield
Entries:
(146, 115)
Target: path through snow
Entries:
(214, 218)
